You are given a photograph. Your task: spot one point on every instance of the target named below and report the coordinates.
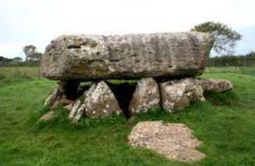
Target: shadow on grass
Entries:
(229, 98)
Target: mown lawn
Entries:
(225, 124)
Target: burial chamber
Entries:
(84, 65)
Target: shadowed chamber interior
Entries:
(123, 93)
(84, 86)
(69, 88)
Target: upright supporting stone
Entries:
(79, 111)
(49, 102)
(79, 114)
(74, 110)
(176, 95)
(101, 102)
(145, 97)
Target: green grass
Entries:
(225, 124)
(18, 74)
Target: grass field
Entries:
(225, 124)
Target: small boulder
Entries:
(216, 85)
(177, 94)
(146, 96)
(173, 140)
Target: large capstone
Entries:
(95, 57)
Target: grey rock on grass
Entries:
(216, 85)
(89, 57)
(101, 102)
(177, 94)
(173, 140)
(145, 97)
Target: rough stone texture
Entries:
(52, 98)
(48, 116)
(146, 96)
(74, 109)
(88, 57)
(216, 85)
(173, 140)
(79, 113)
(99, 102)
(177, 94)
(79, 110)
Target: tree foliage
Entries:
(225, 38)
(31, 53)
(10, 61)
(233, 60)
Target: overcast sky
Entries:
(36, 22)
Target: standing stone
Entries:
(176, 95)
(74, 109)
(51, 99)
(101, 102)
(79, 111)
(216, 85)
(95, 57)
(145, 97)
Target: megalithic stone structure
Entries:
(164, 66)
(97, 57)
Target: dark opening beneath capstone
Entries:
(123, 92)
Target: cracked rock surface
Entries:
(100, 101)
(177, 94)
(98, 57)
(216, 85)
(145, 97)
(173, 140)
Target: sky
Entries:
(37, 22)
